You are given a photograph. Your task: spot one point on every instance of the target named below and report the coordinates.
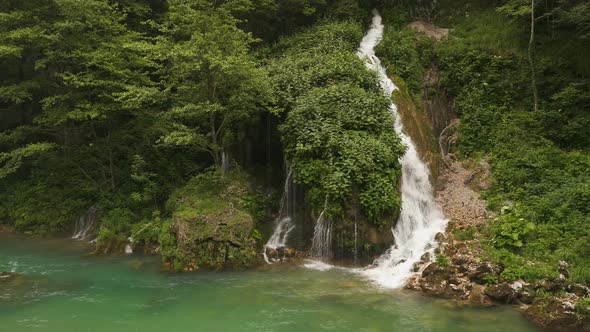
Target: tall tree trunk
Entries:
(213, 128)
(111, 161)
(268, 147)
(216, 153)
(531, 55)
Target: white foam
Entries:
(420, 218)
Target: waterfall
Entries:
(283, 222)
(129, 246)
(420, 218)
(321, 245)
(85, 223)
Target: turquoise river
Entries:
(62, 288)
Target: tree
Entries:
(213, 83)
(521, 8)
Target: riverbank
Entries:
(464, 273)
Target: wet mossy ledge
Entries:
(209, 223)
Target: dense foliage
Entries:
(119, 103)
(338, 134)
(540, 159)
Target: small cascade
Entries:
(128, 247)
(321, 245)
(283, 223)
(85, 224)
(420, 218)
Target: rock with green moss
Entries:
(211, 227)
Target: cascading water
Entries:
(85, 224)
(420, 218)
(321, 245)
(129, 246)
(283, 223)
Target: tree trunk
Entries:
(214, 142)
(531, 55)
(111, 161)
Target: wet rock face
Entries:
(356, 240)
(284, 255)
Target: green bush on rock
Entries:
(338, 134)
(209, 227)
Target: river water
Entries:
(65, 290)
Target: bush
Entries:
(338, 133)
(465, 234)
(406, 53)
(545, 186)
(442, 260)
(583, 307)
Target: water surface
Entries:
(66, 290)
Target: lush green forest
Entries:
(534, 130)
(120, 103)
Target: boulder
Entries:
(477, 296)
(526, 297)
(440, 237)
(416, 266)
(210, 227)
(482, 272)
(504, 292)
(578, 290)
(464, 263)
(8, 276)
(555, 313)
(217, 240)
(434, 282)
(548, 286)
(282, 254)
(432, 269)
(562, 268)
(11, 279)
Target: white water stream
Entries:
(321, 244)
(85, 223)
(283, 224)
(420, 219)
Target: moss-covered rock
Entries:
(210, 225)
(558, 312)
